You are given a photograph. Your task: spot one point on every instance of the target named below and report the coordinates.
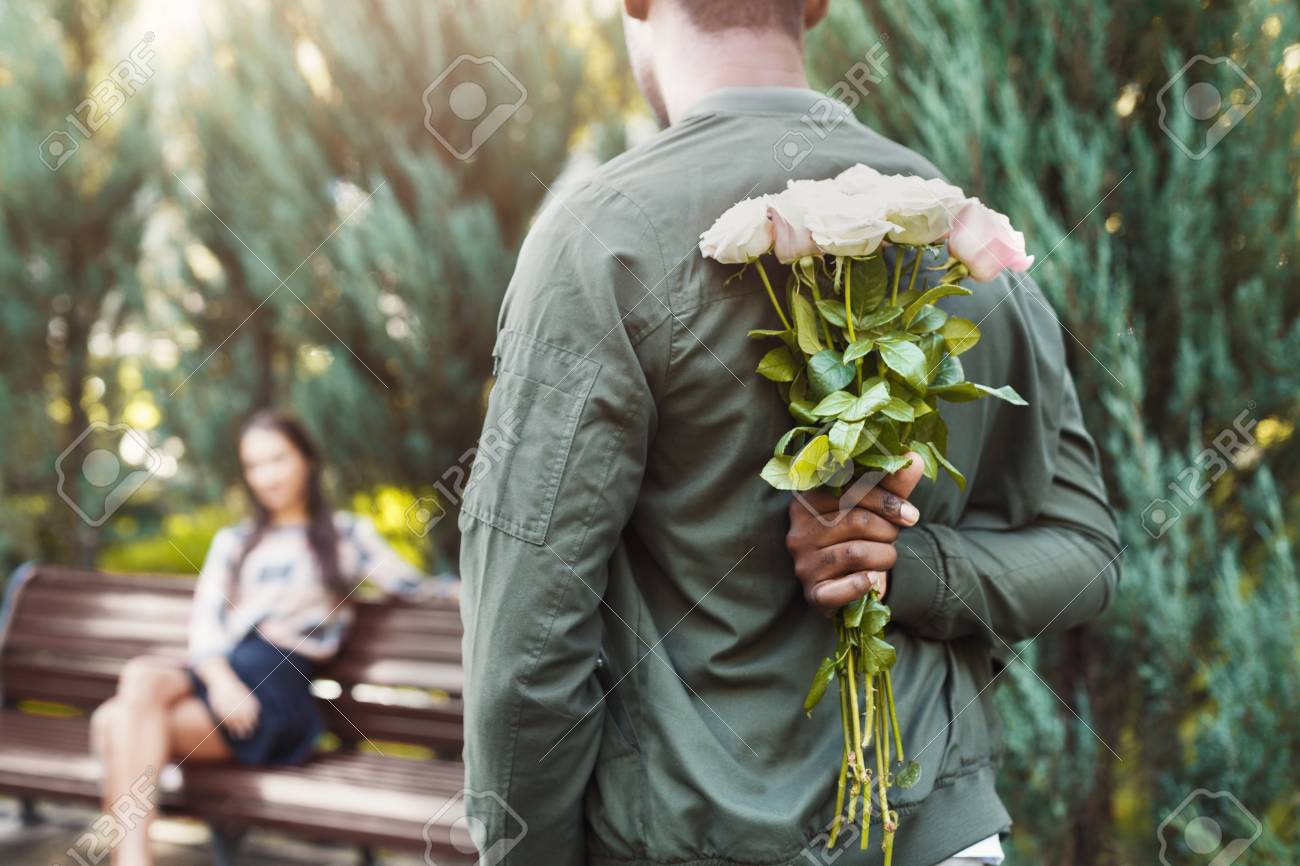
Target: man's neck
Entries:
(694, 67)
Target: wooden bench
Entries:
(65, 635)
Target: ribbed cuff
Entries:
(916, 580)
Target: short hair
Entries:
(716, 15)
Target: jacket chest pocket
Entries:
(533, 413)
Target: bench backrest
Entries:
(66, 634)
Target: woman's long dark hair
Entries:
(322, 536)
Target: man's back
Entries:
(634, 633)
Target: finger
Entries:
(817, 501)
(904, 481)
(889, 505)
(830, 595)
(884, 494)
(840, 560)
(861, 524)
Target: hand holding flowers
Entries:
(865, 357)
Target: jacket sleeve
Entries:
(1011, 578)
(212, 593)
(556, 474)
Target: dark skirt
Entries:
(289, 722)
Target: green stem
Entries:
(916, 267)
(848, 295)
(817, 299)
(898, 267)
(880, 772)
(893, 717)
(848, 316)
(857, 729)
(771, 294)
(844, 764)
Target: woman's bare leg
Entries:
(193, 736)
(139, 746)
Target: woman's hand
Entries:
(236, 706)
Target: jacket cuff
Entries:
(916, 580)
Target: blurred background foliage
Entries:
(265, 219)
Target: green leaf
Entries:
(877, 656)
(802, 411)
(932, 429)
(758, 333)
(813, 464)
(805, 323)
(844, 437)
(833, 312)
(858, 348)
(874, 615)
(777, 473)
(1006, 392)
(906, 298)
(927, 454)
(827, 373)
(931, 318)
(821, 679)
(898, 409)
(949, 372)
(962, 392)
(875, 394)
(935, 351)
(960, 335)
(784, 441)
(887, 463)
(878, 319)
(898, 337)
(778, 365)
(929, 296)
(910, 775)
(869, 284)
(906, 360)
(853, 612)
(951, 470)
(833, 404)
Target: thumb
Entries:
(904, 481)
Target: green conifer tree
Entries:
(79, 162)
(1173, 268)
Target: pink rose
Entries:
(984, 241)
(789, 211)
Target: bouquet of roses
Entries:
(864, 357)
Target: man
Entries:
(637, 645)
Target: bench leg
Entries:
(225, 843)
(29, 815)
(367, 856)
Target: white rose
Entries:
(848, 225)
(741, 234)
(789, 212)
(923, 208)
(858, 179)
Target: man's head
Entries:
(680, 49)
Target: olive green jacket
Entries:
(636, 645)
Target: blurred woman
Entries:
(270, 605)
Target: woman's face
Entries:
(276, 471)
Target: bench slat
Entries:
(399, 674)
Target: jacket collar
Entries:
(764, 100)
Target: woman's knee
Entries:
(145, 682)
(103, 721)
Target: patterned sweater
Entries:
(279, 592)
